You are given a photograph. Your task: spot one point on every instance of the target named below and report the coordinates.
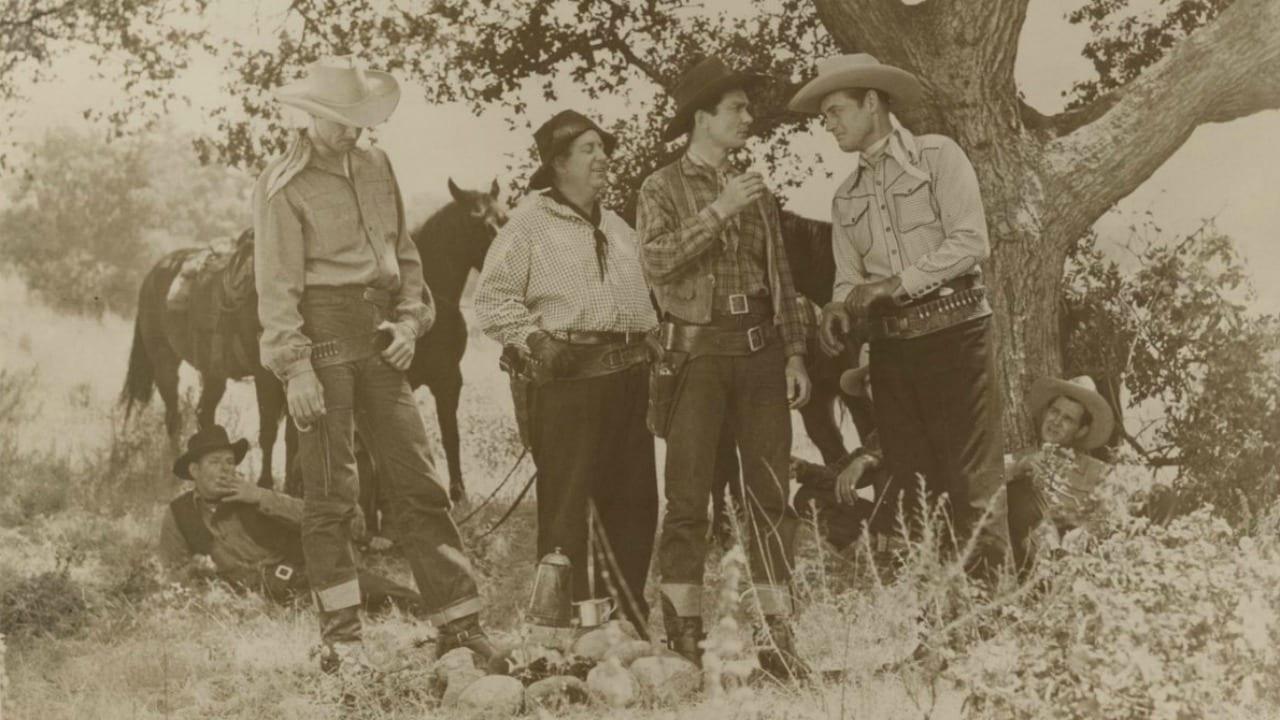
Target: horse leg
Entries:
(270, 393)
(447, 394)
(212, 388)
(166, 365)
(821, 426)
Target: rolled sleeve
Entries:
(279, 258)
(964, 225)
(669, 244)
(503, 287)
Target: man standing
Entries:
(908, 234)
(341, 300)
(1054, 481)
(563, 282)
(253, 535)
(734, 338)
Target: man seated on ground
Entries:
(1053, 481)
(253, 535)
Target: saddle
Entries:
(211, 309)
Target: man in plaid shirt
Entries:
(735, 330)
(563, 281)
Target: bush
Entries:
(49, 604)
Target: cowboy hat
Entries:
(854, 382)
(205, 441)
(841, 72)
(337, 90)
(556, 135)
(708, 79)
(1082, 390)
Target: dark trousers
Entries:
(590, 442)
(419, 521)
(378, 593)
(1025, 514)
(938, 411)
(745, 396)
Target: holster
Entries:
(666, 378)
(517, 366)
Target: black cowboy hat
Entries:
(556, 135)
(204, 442)
(706, 79)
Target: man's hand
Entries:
(246, 493)
(306, 399)
(551, 356)
(399, 354)
(850, 478)
(739, 194)
(798, 385)
(869, 296)
(833, 326)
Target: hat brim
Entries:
(182, 466)
(854, 382)
(542, 177)
(680, 123)
(903, 87)
(374, 109)
(1045, 390)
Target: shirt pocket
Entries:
(853, 216)
(913, 203)
(387, 216)
(334, 222)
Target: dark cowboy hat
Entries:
(707, 79)
(1082, 390)
(555, 136)
(204, 442)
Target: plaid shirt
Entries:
(733, 250)
(542, 273)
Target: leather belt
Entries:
(596, 337)
(710, 340)
(378, 296)
(586, 361)
(349, 349)
(954, 285)
(739, 304)
(929, 317)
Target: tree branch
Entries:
(1225, 70)
(1064, 123)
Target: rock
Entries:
(613, 684)
(460, 680)
(456, 659)
(496, 695)
(593, 644)
(556, 693)
(628, 651)
(666, 678)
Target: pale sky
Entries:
(1231, 171)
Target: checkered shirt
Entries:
(541, 274)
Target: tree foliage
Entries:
(1177, 333)
(87, 215)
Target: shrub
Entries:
(49, 604)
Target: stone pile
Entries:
(607, 666)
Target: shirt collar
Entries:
(554, 195)
(694, 164)
(900, 145)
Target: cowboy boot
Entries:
(777, 654)
(342, 652)
(684, 634)
(466, 632)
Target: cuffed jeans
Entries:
(379, 395)
(745, 396)
(938, 411)
(590, 441)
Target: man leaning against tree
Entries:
(908, 235)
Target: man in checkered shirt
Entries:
(563, 283)
(735, 331)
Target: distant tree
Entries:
(87, 215)
(1175, 333)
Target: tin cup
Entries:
(593, 613)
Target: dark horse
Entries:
(225, 345)
(452, 243)
(217, 335)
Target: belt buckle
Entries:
(738, 304)
(283, 572)
(755, 337)
(892, 325)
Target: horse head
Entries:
(483, 216)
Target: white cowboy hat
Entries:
(1082, 390)
(841, 72)
(337, 90)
